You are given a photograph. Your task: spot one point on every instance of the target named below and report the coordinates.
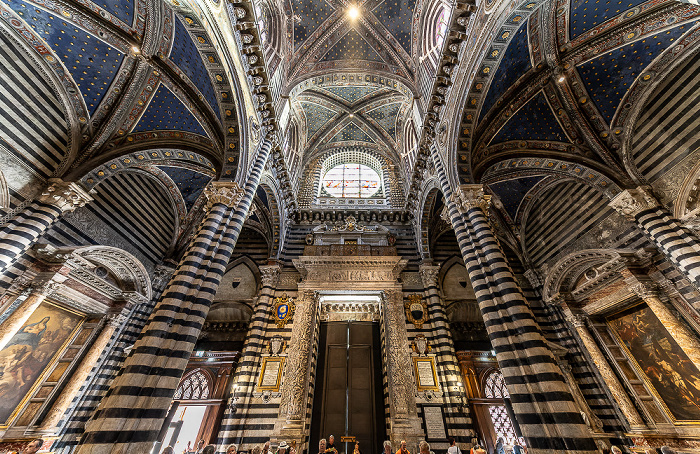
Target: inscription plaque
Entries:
(434, 423)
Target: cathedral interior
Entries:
(242, 221)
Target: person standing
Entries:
(322, 446)
(231, 449)
(500, 448)
(387, 447)
(330, 446)
(453, 449)
(403, 449)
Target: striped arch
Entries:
(537, 165)
(40, 118)
(431, 189)
(662, 100)
(558, 216)
(272, 191)
(132, 210)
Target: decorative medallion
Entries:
(277, 345)
(420, 345)
(416, 310)
(284, 310)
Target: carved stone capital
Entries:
(429, 275)
(534, 278)
(115, 320)
(224, 192)
(445, 215)
(643, 289)
(470, 196)
(577, 320)
(64, 195)
(270, 275)
(46, 288)
(631, 202)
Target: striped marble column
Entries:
(543, 404)
(680, 245)
(18, 235)
(130, 416)
(458, 424)
(233, 428)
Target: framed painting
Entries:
(660, 361)
(31, 353)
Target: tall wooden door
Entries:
(348, 392)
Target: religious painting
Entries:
(30, 353)
(664, 365)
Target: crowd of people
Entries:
(329, 447)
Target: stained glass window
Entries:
(194, 387)
(495, 388)
(351, 180)
(441, 28)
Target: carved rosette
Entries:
(631, 202)
(224, 192)
(270, 275)
(470, 196)
(295, 388)
(64, 195)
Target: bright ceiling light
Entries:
(353, 12)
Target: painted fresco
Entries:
(674, 377)
(30, 352)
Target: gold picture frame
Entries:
(415, 302)
(426, 375)
(634, 361)
(40, 313)
(271, 374)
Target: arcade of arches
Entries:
(241, 221)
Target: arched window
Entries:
(351, 174)
(351, 180)
(495, 388)
(194, 387)
(441, 28)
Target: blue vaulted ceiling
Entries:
(385, 116)
(397, 16)
(512, 192)
(586, 14)
(190, 183)
(351, 132)
(515, 63)
(534, 121)
(186, 56)
(308, 16)
(610, 75)
(122, 9)
(316, 116)
(92, 64)
(351, 94)
(352, 46)
(166, 111)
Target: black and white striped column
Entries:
(18, 235)
(681, 246)
(458, 424)
(130, 416)
(542, 403)
(233, 425)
